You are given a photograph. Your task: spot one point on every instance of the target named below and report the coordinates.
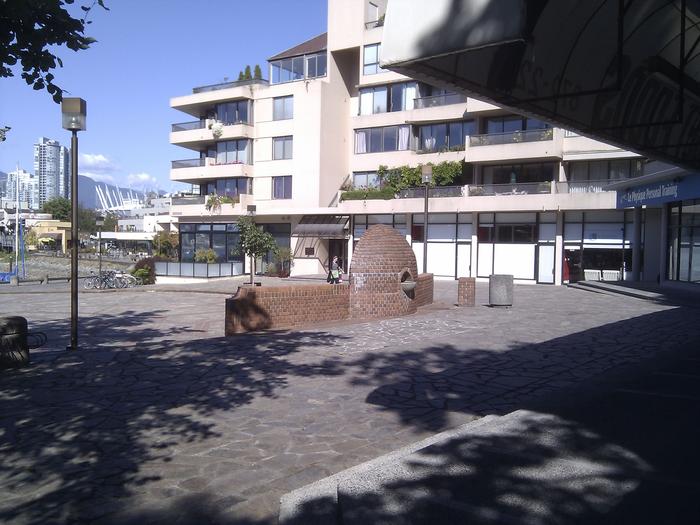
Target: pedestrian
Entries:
(335, 271)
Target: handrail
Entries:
(187, 163)
(226, 85)
(186, 126)
(439, 100)
(512, 137)
(523, 188)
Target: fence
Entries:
(188, 269)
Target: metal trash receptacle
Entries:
(14, 348)
(501, 290)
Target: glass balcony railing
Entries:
(227, 85)
(591, 186)
(436, 191)
(187, 163)
(525, 188)
(512, 137)
(439, 100)
(185, 200)
(375, 23)
(187, 126)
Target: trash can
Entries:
(501, 290)
(14, 350)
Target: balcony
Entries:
(195, 134)
(434, 192)
(194, 170)
(195, 206)
(228, 85)
(591, 186)
(535, 144)
(440, 100)
(525, 188)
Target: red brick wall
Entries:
(424, 289)
(466, 291)
(269, 307)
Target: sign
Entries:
(660, 192)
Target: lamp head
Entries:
(74, 114)
(426, 173)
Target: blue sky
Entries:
(148, 52)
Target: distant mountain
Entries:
(102, 196)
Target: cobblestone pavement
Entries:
(160, 419)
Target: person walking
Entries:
(335, 271)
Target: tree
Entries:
(58, 207)
(30, 28)
(111, 222)
(254, 241)
(166, 244)
(247, 75)
(257, 73)
(241, 76)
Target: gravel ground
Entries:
(37, 266)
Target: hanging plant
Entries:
(217, 129)
(213, 204)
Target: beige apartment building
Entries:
(531, 200)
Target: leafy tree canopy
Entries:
(254, 241)
(30, 27)
(58, 207)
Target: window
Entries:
(603, 170)
(402, 96)
(229, 187)
(233, 112)
(376, 140)
(518, 173)
(513, 123)
(282, 187)
(283, 108)
(394, 97)
(445, 136)
(281, 148)
(370, 60)
(298, 68)
(222, 238)
(232, 152)
(365, 179)
(373, 100)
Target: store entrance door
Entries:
(339, 248)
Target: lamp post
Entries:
(74, 113)
(99, 222)
(427, 178)
(251, 212)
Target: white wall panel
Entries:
(545, 268)
(485, 256)
(441, 259)
(464, 260)
(517, 260)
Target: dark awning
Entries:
(322, 227)
(625, 72)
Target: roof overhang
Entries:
(625, 72)
(322, 227)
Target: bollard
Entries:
(466, 291)
(14, 350)
(501, 290)
(14, 280)
(46, 279)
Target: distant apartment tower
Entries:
(52, 169)
(28, 189)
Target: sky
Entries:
(147, 52)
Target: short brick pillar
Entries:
(466, 291)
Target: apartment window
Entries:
(518, 173)
(229, 187)
(376, 140)
(365, 179)
(380, 99)
(370, 60)
(233, 112)
(403, 95)
(283, 108)
(373, 100)
(281, 148)
(603, 170)
(316, 65)
(232, 152)
(282, 187)
(513, 123)
(298, 68)
(444, 136)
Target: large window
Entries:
(282, 187)
(394, 97)
(513, 123)
(224, 239)
(233, 112)
(375, 140)
(444, 136)
(233, 152)
(370, 59)
(603, 170)
(281, 148)
(684, 241)
(518, 173)
(230, 187)
(298, 68)
(283, 108)
(365, 179)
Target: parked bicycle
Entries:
(110, 279)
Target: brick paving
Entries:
(160, 419)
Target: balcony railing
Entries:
(512, 137)
(440, 149)
(186, 200)
(375, 23)
(439, 100)
(437, 191)
(187, 126)
(524, 188)
(187, 163)
(591, 186)
(227, 85)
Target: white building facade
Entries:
(522, 198)
(28, 189)
(52, 168)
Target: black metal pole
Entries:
(99, 250)
(425, 232)
(74, 242)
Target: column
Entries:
(637, 243)
(559, 249)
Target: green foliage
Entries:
(30, 238)
(445, 173)
(166, 244)
(254, 241)
(257, 72)
(214, 202)
(111, 222)
(247, 74)
(58, 207)
(205, 256)
(368, 194)
(241, 76)
(284, 260)
(32, 29)
(145, 269)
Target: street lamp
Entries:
(99, 222)
(427, 178)
(73, 117)
(251, 212)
